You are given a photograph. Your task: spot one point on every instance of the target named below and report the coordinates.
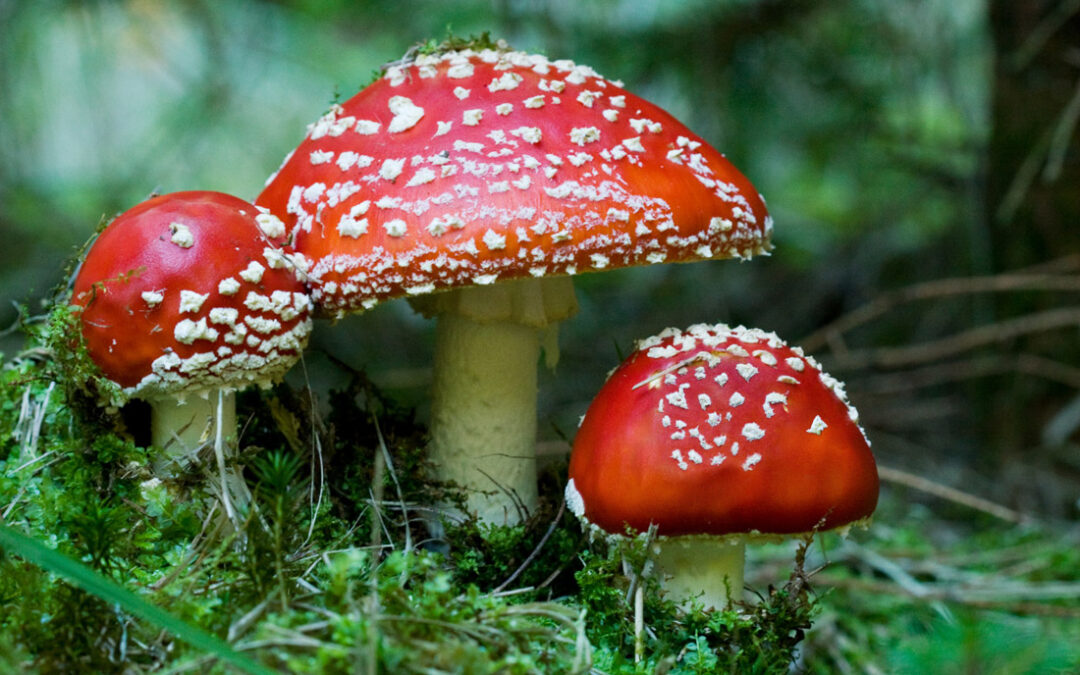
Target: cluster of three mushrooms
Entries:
(477, 183)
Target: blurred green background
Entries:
(897, 143)
(920, 158)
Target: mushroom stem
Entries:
(179, 429)
(701, 569)
(483, 414)
(483, 408)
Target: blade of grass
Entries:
(108, 590)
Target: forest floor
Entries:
(331, 565)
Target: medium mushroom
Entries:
(717, 435)
(184, 299)
(482, 181)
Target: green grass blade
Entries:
(108, 590)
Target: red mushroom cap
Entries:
(720, 430)
(185, 292)
(465, 167)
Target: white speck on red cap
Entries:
(187, 344)
(406, 114)
(181, 235)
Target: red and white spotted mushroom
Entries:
(184, 300)
(495, 176)
(716, 435)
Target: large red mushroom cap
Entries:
(466, 167)
(185, 292)
(715, 431)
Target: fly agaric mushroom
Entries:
(494, 176)
(716, 435)
(184, 296)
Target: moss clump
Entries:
(759, 637)
(436, 47)
(82, 494)
(88, 394)
(405, 613)
(457, 43)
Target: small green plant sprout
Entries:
(714, 436)
(183, 300)
(507, 150)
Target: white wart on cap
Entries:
(471, 167)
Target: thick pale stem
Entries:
(483, 414)
(701, 569)
(180, 429)
(483, 410)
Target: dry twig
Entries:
(937, 289)
(969, 368)
(951, 494)
(536, 551)
(937, 350)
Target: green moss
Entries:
(435, 47)
(541, 553)
(314, 576)
(457, 43)
(88, 393)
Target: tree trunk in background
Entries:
(1033, 204)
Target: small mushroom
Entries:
(184, 300)
(477, 183)
(717, 435)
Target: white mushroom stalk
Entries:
(701, 570)
(483, 408)
(180, 427)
